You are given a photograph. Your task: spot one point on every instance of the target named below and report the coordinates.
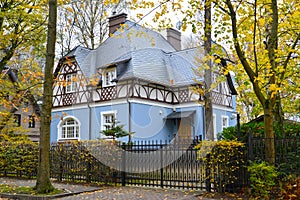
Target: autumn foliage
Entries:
(226, 162)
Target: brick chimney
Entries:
(174, 38)
(115, 21)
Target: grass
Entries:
(4, 188)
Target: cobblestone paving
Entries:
(136, 193)
(112, 193)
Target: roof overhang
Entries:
(180, 115)
(114, 63)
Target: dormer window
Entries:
(108, 76)
(71, 83)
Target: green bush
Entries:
(225, 161)
(262, 178)
(257, 130)
(19, 158)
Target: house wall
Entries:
(25, 111)
(148, 123)
(219, 112)
(79, 113)
(147, 120)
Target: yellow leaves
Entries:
(108, 2)
(273, 89)
(94, 81)
(184, 26)
(140, 15)
(157, 15)
(26, 110)
(69, 9)
(176, 6)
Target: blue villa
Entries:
(138, 78)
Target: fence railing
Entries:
(287, 152)
(155, 163)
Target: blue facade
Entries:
(148, 122)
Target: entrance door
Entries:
(184, 128)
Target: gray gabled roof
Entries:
(160, 67)
(134, 37)
(140, 53)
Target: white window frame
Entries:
(71, 83)
(215, 127)
(227, 120)
(103, 120)
(104, 124)
(108, 75)
(62, 126)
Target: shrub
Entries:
(257, 130)
(225, 162)
(19, 158)
(262, 178)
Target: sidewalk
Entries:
(84, 191)
(70, 189)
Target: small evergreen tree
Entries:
(117, 131)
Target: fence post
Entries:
(123, 172)
(88, 170)
(161, 166)
(207, 173)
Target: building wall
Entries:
(25, 111)
(147, 120)
(220, 112)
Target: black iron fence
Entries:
(152, 163)
(159, 164)
(287, 152)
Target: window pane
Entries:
(70, 129)
(108, 121)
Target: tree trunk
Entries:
(278, 113)
(269, 135)
(43, 184)
(209, 128)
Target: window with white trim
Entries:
(71, 83)
(69, 129)
(107, 119)
(225, 122)
(215, 127)
(109, 75)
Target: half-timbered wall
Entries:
(126, 89)
(63, 97)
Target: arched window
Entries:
(69, 129)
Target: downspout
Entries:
(90, 111)
(203, 114)
(129, 113)
(129, 120)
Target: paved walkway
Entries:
(136, 193)
(69, 188)
(83, 191)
